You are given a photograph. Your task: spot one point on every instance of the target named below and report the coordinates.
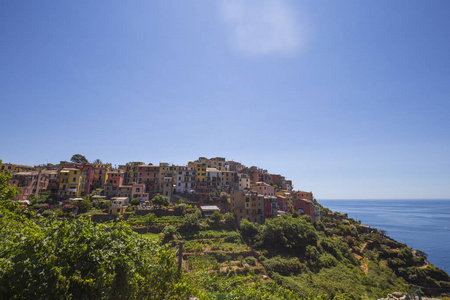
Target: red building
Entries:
(270, 207)
(115, 177)
(304, 203)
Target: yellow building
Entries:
(72, 182)
(119, 205)
(100, 175)
(167, 179)
(200, 169)
(131, 172)
(14, 168)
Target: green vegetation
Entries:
(160, 201)
(78, 159)
(47, 251)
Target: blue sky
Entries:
(348, 99)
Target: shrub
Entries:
(160, 201)
(289, 234)
(48, 213)
(80, 260)
(169, 232)
(105, 204)
(249, 231)
(190, 222)
(135, 202)
(251, 260)
(221, 256)
(233, 237)
(326, 260)
(284, 266)
(312, 254)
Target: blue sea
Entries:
(421, 224)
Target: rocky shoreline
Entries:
(402, 296)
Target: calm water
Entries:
(421, 224)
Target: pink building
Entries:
(34, 182)
(149, 175)
(138, 191)
(263, 189)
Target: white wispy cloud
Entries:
(259, 27)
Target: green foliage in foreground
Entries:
(76, 259)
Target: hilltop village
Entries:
(250, 193)
(212, 229)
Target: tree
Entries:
(83, 205)
(135, 201)
(191, 221)
(160, 201)
(97, 161)
(249, 231)
(7, 191)
(230, 221)
(288, 233)
(78, 159)
(216, 217)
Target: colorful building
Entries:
(138, 192)
(115, 177)
(263, 189)
(30, 183)
(200, 172)
(15, 168)
(270, 207)
(119, 205)
(131, 172)
(100, 176)
(284, 199)
(72, 182)
(149, 175)
(304, 203)
(246, 205)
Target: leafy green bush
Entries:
(160, 201)
(76, 259)
(284, 266)
(249, 231)
(250, 260)
(169, 232)
(233, 237)
(221, 256)
(288, 234)
(312, 254)
(327, 260)
(190, 222)
(135, 202)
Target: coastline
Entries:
(422, 224)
